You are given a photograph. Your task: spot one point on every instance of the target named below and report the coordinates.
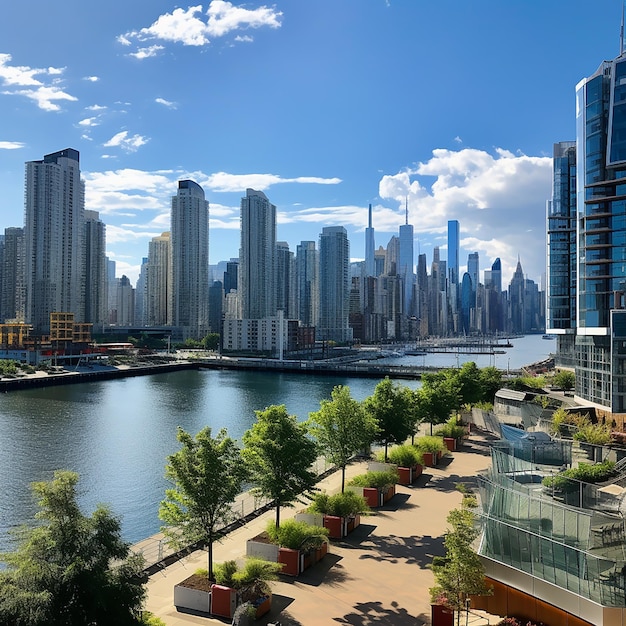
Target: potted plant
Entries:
(431, 448)
(234, 585)
(376, 487)
(408, 461)
(452, 432)
(294, 544)
(341, 512)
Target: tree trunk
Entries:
(277, 515)
(386, 450)
(343, 478)
(210, 556)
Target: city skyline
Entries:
(344, 110)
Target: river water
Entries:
(117, 434)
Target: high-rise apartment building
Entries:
(307, 270)
(453, 251)
(562, 255)
(95, 270)
(370, 263)
(53, 239)
(12, 301)
(257, 257)
(190, 260)
(159, 302)
(334, 285)
(285, 280)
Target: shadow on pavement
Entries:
(399, 501)
(278, 613)
(411, 550)
(373, 613)
(356, 537)
(328, 571)
(449, 483)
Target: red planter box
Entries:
(450, 443)
(408, 475)
(441, 615)
(429, 459)
(223, 601)
(290, 560)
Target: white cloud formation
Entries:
(92, 79)
(14, 77)
(193, 27)
(166, 103)
(127, 143)
(89, 121)
(95, 107)
(499, 200)
(11, 145)
(224, 182)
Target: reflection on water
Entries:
(117, 434)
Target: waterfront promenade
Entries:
(378, 575)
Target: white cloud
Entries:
(146, 53)
(92, 79)
(126, 142)
(192, 27)
(165, 103)
(18, 76)
(89, 121)
(499, 200)
(11, 145)
(224, 182)
(46, 97)
(244, 39)
(95, 107)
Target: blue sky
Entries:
(325, 105)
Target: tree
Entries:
(279, 454)
(392, 407)
(342, 428)
(491, 381)
(438, 397)
(460, 573)
(70, 569)
(564, 379)
(207, 474)
(211, 341)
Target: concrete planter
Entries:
(190, 599)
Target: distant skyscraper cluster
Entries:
(267, 300)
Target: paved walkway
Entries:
(377, 576)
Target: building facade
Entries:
(53, 239)
(190, 260)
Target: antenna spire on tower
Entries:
(621, 31)
(370, 216)
(407, 205)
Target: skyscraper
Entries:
(159, 303)
(473, 269)
(334, 285)
(190, 260)
(285, 280)
(453, 251)
(12, 302)
(307, 270)
(95, 270)
(53, 239)
(601, 271)
(405, 269)
(370, 264)
(257, 257)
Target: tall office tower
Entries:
(380, 258)
(493, 298)
(334, 285)
(467, 299)
(216, 306)
(285, 283)
(392, 257)
(159, 301)
(230, 276)
(437, 297)
(140, 294)
(12, 301)
(257, 257)
(95, 270)
(601, 196)
(111, 291)
(561, 258)
(516, 300)
(190, 260)
(125, 311)
(453, 251)
(370, 264)
(422, 295)
(473, 269)
(53, 239)
(405, 267)
(307, 270)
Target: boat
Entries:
(548, 337)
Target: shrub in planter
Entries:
(375, 480)
(430, 443)
(297, 535)
(565, 481)
(451, 429)
(340, 504)
(405, 456)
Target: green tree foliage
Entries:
(207, 474)
(70, 569)
(279, 453)
(342, 428)
(460, 573)
(564, 380)
(392, 407)
(211, 341)
(438, 397)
